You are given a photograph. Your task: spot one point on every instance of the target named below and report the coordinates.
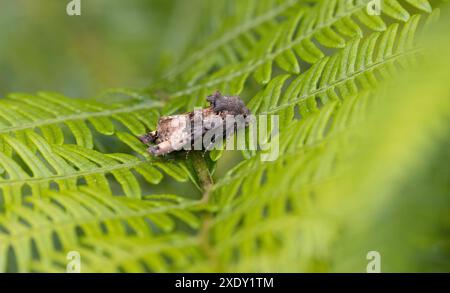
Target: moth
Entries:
(190, 130)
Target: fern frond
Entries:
(49, 113)
(130, 254)
(55, 221)
(362, 65)
(66, 165)
(233, 41)
(347, 72)
(298, 195)
(301, 37)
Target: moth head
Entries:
(214, 97)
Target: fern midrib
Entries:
(57, 177)
(266, 58)
(68, 223)
(136, 254)
(82, 116)
(229, 36)
(338, 82)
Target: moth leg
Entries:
(149, 138)
(152, 149)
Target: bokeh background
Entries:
(114, 43)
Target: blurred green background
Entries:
(114, 43)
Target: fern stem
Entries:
(81, 116)
(207, 184)
(203, 174)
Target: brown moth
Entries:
(177, 132)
